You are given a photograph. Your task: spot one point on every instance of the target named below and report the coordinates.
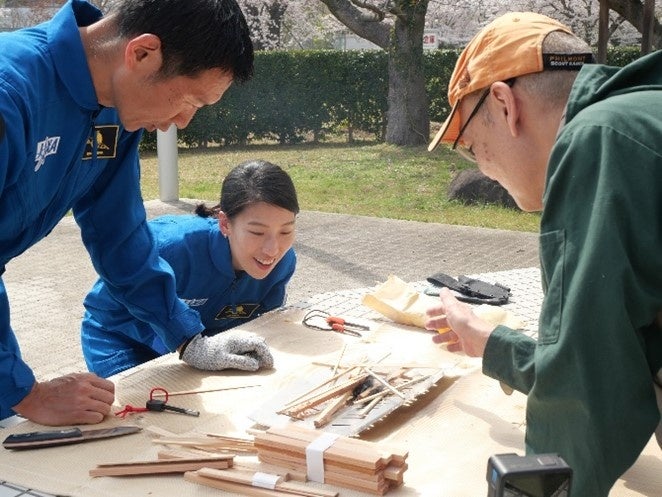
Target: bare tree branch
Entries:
(348, 13)
(379, 14)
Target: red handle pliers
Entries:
(314, 318)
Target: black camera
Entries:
(536, 475)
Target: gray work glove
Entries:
(227, 351)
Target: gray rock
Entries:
(470, 186)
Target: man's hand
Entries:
(467, 333)
(78, 398)
(227, 350)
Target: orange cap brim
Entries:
(450, 130)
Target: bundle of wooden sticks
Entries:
(358, 388)
(348, 462)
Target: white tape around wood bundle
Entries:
(315, 456)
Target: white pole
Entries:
(166, 150)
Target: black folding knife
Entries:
(52, 438)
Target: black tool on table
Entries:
(160, 405)
(52, 438)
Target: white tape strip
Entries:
(265, 480)
(315, 456)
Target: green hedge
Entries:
(298, 96)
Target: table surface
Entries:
(442, 462)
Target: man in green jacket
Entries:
(582, 143)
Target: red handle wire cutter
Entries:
(314, 318)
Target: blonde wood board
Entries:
(387, 451)
(188, 454)
(370, 481)
(241, 489)
(246, 478)
(209, 442)
(300, 438)
(344, 480)
(336, 456)
(393, 473)
(234, 488)
(344, 449)
(158, 467)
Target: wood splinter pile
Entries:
(357, 386)
(348, 462)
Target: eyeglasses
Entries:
(459, 147)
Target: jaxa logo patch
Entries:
(106, 141)
(48, 146)
(242, 311)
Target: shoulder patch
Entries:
(106, 142)
(241, 311)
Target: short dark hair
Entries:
(196, 35)
(251, 182)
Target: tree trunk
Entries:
(408, 122)
(633, 12)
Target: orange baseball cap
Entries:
(508, 47)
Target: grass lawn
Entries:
(366, 179)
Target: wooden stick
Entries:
(190, 454)
(324, 417)
(323, 396)
(193, 392)
(383, 393)
(159, 466)
(342, 352)
(206, 442)
(313, 390)
(375, 396)
(413, 381)
(374, 365)
(385, 383)
(366, 409)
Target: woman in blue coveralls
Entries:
(231, 263)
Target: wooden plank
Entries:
(297, 440)
(208, 443)
(157, 467)
(332, 460)
(246, 478)
(287, 473)
(347, 481)
(234, 488)
(276, 456)
(392, 473)
(249, 490)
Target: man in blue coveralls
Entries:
(75, 94)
